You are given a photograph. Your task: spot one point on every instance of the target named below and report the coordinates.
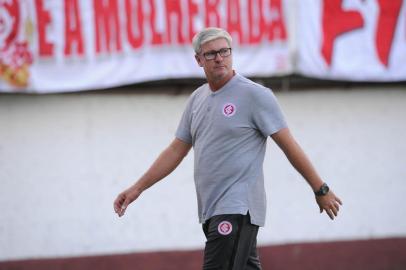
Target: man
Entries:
(228, 121)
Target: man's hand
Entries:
(124, 199)
(329, 203)
(167, 161)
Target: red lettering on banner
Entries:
(276, 28)
(173, 8)
(211, 8)
(388, 16)
(260, 20)
(256, 22)
(139, 19)
(46, 48)
(73, 27)
(134, 40)
(9, 35)
(156, 37)
(107, 24)
(193, 9)
(336, 22)
(234, 19)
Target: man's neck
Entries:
(218, 84)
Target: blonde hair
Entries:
(209, 34)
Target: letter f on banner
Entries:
(336, 21)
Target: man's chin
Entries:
(221, 73)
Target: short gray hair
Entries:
(209, 34)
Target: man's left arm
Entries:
(296, 156)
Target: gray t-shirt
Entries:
(228, 130)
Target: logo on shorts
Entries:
(229, 109)
(225, 228)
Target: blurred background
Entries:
(92, 91)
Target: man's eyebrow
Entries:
(216, 50)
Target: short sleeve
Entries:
(183, 131)
(266, 112)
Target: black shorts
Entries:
(231, 243)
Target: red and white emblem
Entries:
(229, 109)
(225, 228)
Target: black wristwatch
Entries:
(324, 189)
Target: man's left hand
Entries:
(329, 203)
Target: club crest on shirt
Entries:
(229, 109)
(225, 228)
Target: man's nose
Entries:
(218, 57)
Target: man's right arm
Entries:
(167, 161)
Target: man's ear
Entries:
(198, 60)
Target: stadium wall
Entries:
(65, 157)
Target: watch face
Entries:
(324, 189)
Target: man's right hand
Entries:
(124, 199)
(167, 161)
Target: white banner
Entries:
(74, 45)
(352, 40)
(71, 45)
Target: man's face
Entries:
(220, 67)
